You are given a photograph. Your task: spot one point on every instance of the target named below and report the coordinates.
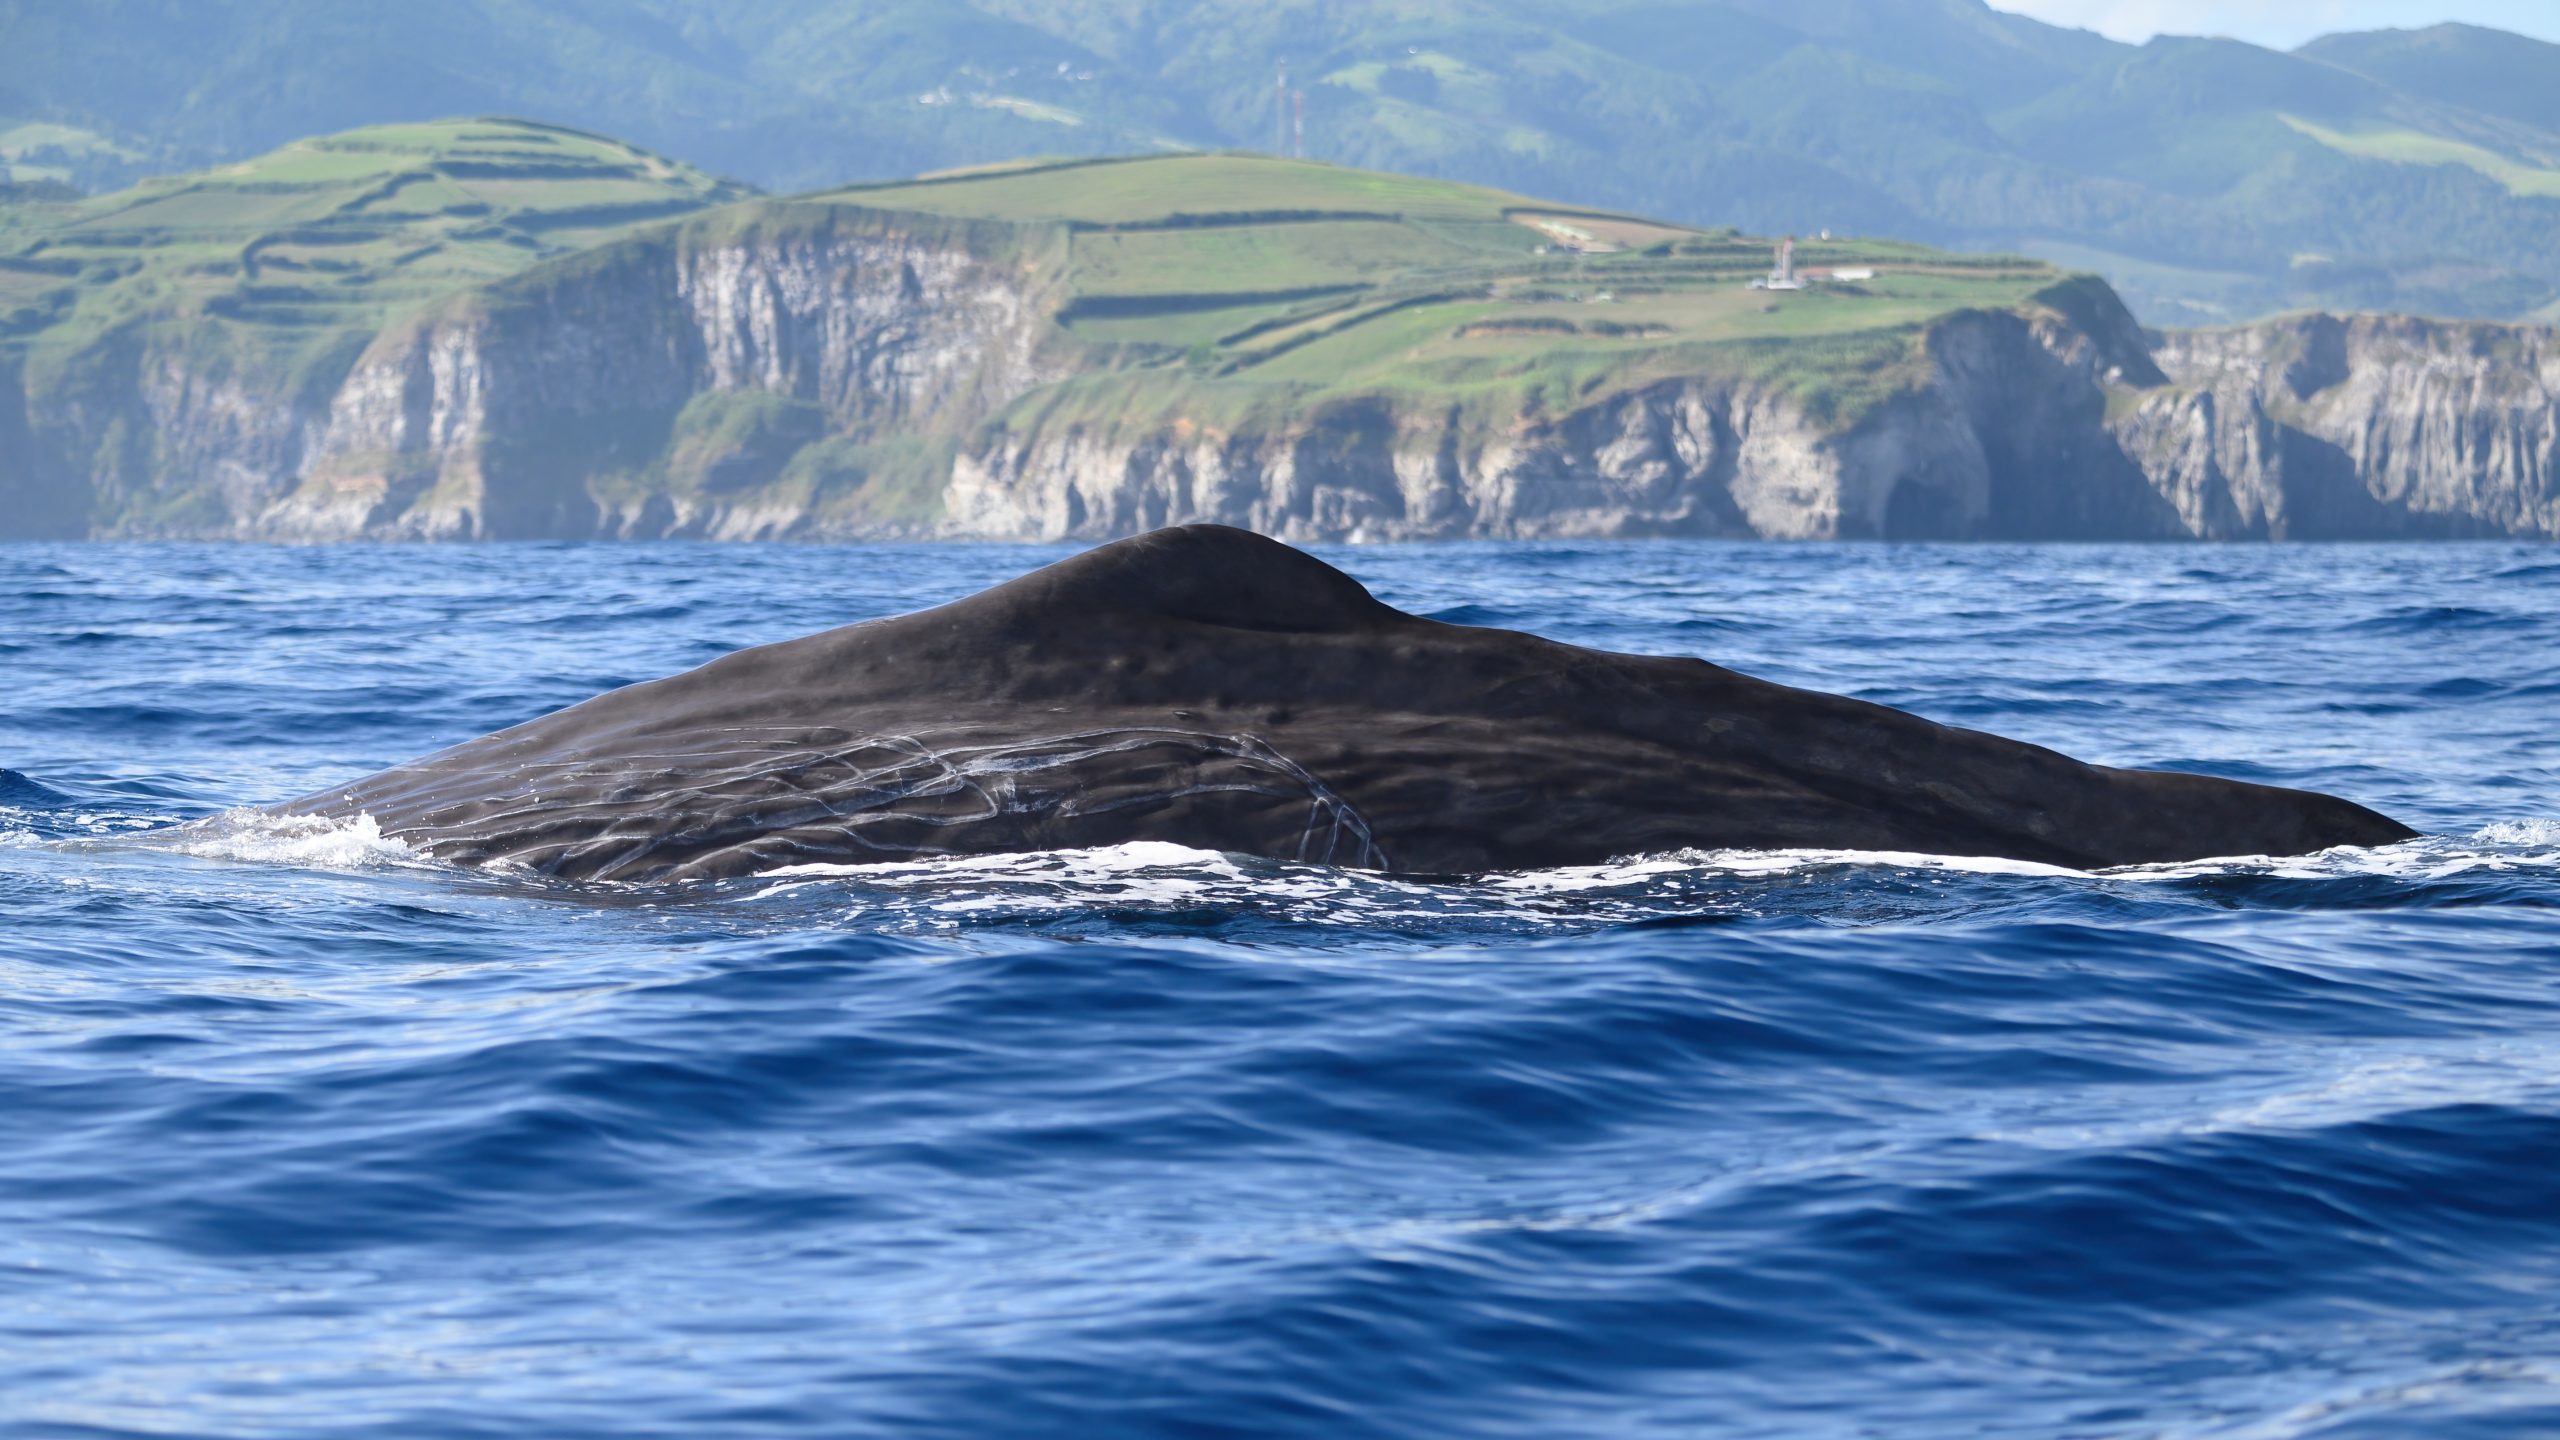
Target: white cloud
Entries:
(2284, 23)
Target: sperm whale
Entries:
(1214, 688)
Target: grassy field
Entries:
(2411, 147)
(1243, 283)
(1234, 285)
(22, 144)
(1961, 123)
(315, 246)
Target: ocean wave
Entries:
(22, 792)
(308, 1134)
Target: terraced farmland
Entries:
(315, 246)
(1242, 282)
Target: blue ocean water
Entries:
(301, 1136)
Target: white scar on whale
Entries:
(781, 780)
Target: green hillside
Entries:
(1225, 284)
(297, 257)
(1226, 289)
(2486, 72)
(1230, 269)
(2208, 178)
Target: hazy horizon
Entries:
(2283, 24)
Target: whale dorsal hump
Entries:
(1204, 574)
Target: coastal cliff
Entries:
(2374, 426)
(719, 381)
(2017, 426)
(710, 385)
(900, 362)
(822, 384)
(1703, 454)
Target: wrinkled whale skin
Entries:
(1213, 688)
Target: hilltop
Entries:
(257, 284)
(1236, 284)
(2209, 180)
(327, 238)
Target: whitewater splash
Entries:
(1168, 883)
(2523, 834)
(310, 842)
(1842, 886)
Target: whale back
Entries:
(1212, 687)
(1197, 574)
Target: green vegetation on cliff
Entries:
(300, 254)
(178, 346)
(1230, 288)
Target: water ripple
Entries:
(308, 1136)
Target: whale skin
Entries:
(1210, 687)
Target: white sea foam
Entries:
(1149, 875)
(1113, 862)
(2536, 833)
(2504, 845)
(1681, 863)
(313, 841)
(1135, 860)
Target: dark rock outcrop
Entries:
(1213, 688)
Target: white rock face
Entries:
(556, 404)
(480, 421)
(2005, 436)
(512, 412)
(2379, 426)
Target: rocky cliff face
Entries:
(2370, 427)
(759, 380)
(2021, 426)
(645, 389)
(562, 409)
(2002, 435)
(138, 436)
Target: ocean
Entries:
(301, 1135)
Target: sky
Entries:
(2286, 23)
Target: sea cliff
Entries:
(2381, 426)
(2034, 426)
(821, 371)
